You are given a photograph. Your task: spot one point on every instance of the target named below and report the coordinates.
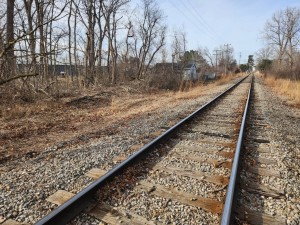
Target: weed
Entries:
(285, 87)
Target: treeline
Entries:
(281, 54)
(53, 47)
(94, 37)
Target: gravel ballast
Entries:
(273, 134)
(27, 182)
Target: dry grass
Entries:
(226, 78)
(200, 88)
(285, 87)
(20, 110)
(32, 126)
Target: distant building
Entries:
(190, 72)
(58, 69)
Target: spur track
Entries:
(180, 177)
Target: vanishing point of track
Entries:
(193, 166)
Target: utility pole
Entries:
(240, 58)
(222, 56)
(217, 54)
(216, 60)
(173, 56)
(226, 61)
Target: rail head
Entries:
(227, 210)
(84, 198)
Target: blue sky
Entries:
(211, 23)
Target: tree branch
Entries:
(17, 77)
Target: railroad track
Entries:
(186, 175)
(261, 187)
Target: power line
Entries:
(227, 51)
(192, 21)
(203, 22)
(206, 31)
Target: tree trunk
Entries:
(127, 51)
(102, 33)
(108, 47)
(10, 39)
(40, 16)
(70, 42)
(114, 54)
(32, 41)
(90, 51)
(75, 45)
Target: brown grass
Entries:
(32, 126)
(287, 88)
(226, 78)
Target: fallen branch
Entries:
(53, 82)
(43, 92)
(36, 90)
(17, 77)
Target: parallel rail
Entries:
(86, 197)
(227, 210)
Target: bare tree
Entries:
(125, 54)
(32, 40)
(177, 45)
(42, 37)
(152, 32)
(101, 34)
(164, 54)
(19, 35)
(292, 31)
(90, 46)
(203, 59)
(274, 34)
(111, 11)
(282, 32)
(183, 34)
(207, 55)
(264, 53)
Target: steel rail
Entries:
(227, 210)
(71, 208)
